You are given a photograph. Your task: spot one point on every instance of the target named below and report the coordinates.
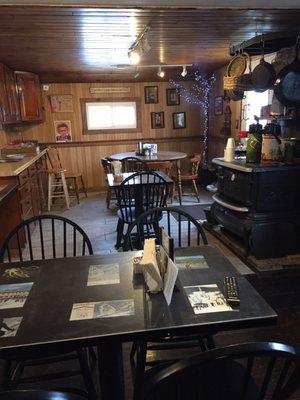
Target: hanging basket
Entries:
(242, 82)
(237, 65)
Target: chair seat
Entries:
(131, 212)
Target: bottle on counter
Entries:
(254, 143)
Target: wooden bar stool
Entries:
(57, 187)
(69, 176)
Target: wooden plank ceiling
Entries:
(87, 44)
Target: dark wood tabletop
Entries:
(112, 182)
(60, 283)
(159, 156)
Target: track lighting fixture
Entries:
(184, 71)
(160, 72)
(136, 72)
(134, 56)
(140, 47)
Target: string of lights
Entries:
(198, 94)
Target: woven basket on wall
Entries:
(242, 82)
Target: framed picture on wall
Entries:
(151, 94)
(157, 120)
(63, 131)
(179, 120)
(218, 105)
(173, 97)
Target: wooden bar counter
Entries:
(10, 211)
(29, 176)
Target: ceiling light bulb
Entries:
(184, 71)
(160, 73)
(134, 57)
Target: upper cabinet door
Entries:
(11, 88)
(4, 104)
(9, 103)
(29, 96)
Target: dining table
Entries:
(161, 156)
(66, 306)
(156, 157)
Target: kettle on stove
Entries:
(271, 142)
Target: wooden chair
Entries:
(134, 164)
(107, 168)
(245, 371)
(153, 192)
(178, 224)
(164, 166)
(58, 177)
(191, 176)
(38, 395)
(67, 240)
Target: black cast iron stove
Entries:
(261, 205)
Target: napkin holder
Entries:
(150, 268)
(159, 271)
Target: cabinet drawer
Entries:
(23, 177)
(32, 169)
(24, 190)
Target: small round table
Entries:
(160, 156)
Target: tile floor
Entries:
(100, 223)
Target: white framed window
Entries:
(100, 116)
(252, 105)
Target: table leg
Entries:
(110, 360)
(179, 181)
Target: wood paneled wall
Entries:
(3, 138)
(85, 152)
(217, 140)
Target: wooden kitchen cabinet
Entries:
(11, 86)
(30, 99)
(9, 102)
(32, 188)
(20, 96)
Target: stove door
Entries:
(236, 185)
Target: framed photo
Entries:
(173, 97)
(179, 120)
(151, 94)
(63, 131)
(218, 105)
(157, 120)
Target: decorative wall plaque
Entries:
(61, 103)
(99, 90)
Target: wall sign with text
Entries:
(61, 103)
